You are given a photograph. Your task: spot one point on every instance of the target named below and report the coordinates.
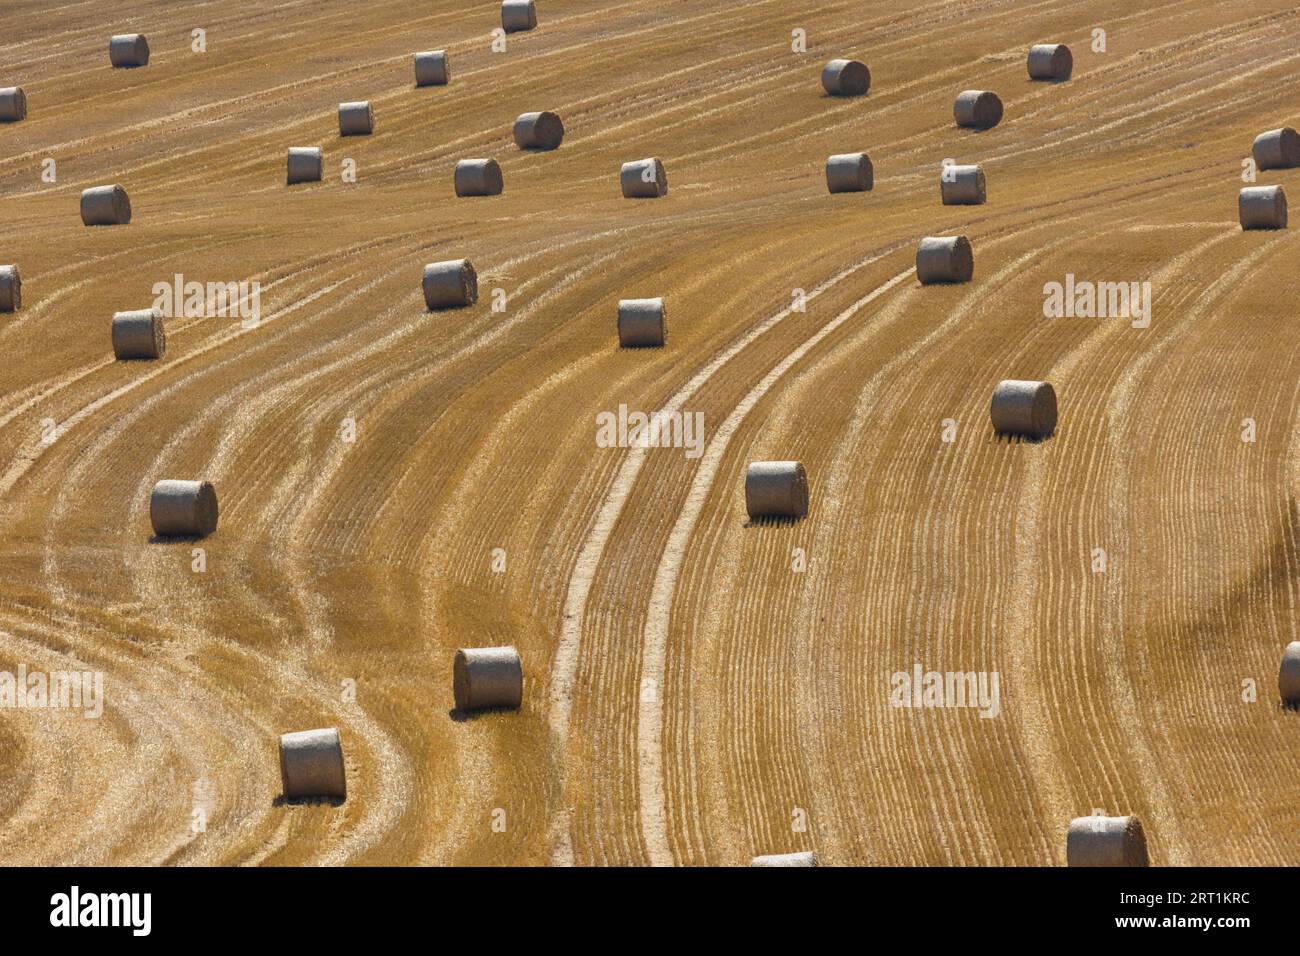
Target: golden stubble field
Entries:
(689, 698)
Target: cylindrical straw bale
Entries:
(944, 259)
(1262, 207)
(305, 164)
(1275, 149)
(978, 109)
(642, 322)
(962, 186)
(356, 119)
(139, 334)
(1024, 408)
(517, 15)
(13, 104)
(478, 177)
(432, 68)
(450, 283)
(105, 206)
(785, 859)
(846, 78)
(11, 289)
(542, 130)
(186, 508)
(1050, 61)
(1106, 841)
(311, 764)
(643, 179)
(849, 173)
(128, 49)
(487, 677)
(1288, 676)
(776, 489)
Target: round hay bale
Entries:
(643, 179)
(642, 322)
(962, 186)
(139, 334)
(128, 49)
(305, 164)
(478, 177)
(849, 173)
(11, 289)
(1288, 675)
(518, 15)
(944, 259)
(776, 489)
(432, 68)
(544, 130)
(105, 206)
(1274, 149)
(356, 119)
(1050, 61)
(977, 109)
(487, 677)
(13, 104)
(785, 859)
(311, 764)
(450, 284)
(1024, 408)
(183, 508)
(846, 78)
(1106, 841)
(1262, 207)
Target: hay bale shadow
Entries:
(175, 538)
(283, 801)
(1015, 438)
(772, 521)
(1290, 705)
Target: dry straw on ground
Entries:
(1262, 207)
(183, 508)
(944, 259)
(139, 334)
(849, 173)
(478, 177)
(305, 164)
(1024, 408)
(450, 284)
(643, 179)
(542, 130)
(487, 677)
(962, 186)
(105, 206)
(846, 78)
(1050, 61)
(1106, 841)
(642, 322)
(977, 109)
(776, 489)
(128, 50)
(432, 68)
(11, 289)
(311, 764)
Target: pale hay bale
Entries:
(105, 206)
(311, 764)
(517, 15)
(128, 50)
(1262, 207)
(785, 859)
(478, 177)
(846, 78)
(1050, 61)
(1288, 675)
(432, 68)
(849, 173)
(13, 104)
(1024, 408)
(11, 289)
(356, 119)
(643, 179)
(487, 677)
(305, 164)
(776, 489)
(642, 322)
(449, 284)
(542, 130)
(962, 186)
(1106, 841)
(184, 508)
(1274, 149)
(139, 334)
(977, 109)
(944, 259)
